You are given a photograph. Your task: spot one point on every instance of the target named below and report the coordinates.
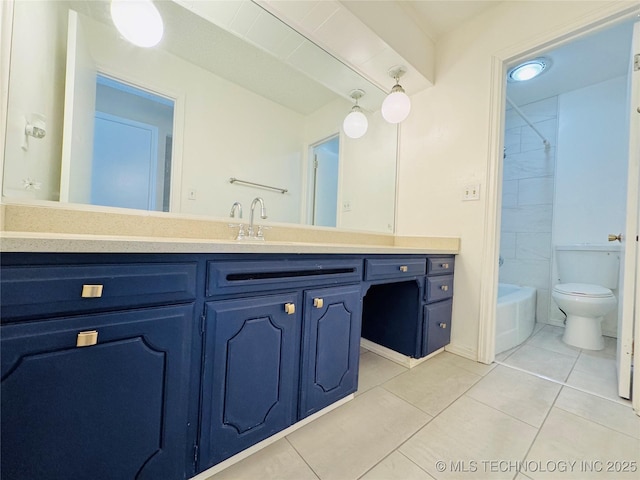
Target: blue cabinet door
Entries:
(437, 326)
(113, 410)
(330, 347)
(250, 376)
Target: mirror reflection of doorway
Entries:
(324, 182)
(132, 132)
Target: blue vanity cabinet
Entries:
(438, 304)
(331, 346)
(250, 372)
(117, 409)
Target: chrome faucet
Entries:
(263, 215)
(237, 206)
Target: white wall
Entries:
(591, 174)
(591, 171)
(40, 92)
(445, 141)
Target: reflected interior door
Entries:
(325, 182)
(124, 167)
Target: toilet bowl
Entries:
(585, 305)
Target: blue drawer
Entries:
(388, 268)
(438, 288)
(251, 276)
(440, 265)
(437, 326)
(34, 291)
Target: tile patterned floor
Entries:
(451, 418)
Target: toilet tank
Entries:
(585, 263)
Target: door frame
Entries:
(606, 16)
(310, 178)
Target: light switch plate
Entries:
(471, 192)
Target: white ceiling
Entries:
(436, 18)
(585, 61)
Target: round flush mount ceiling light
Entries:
(397, 105)
(138, 21)
(355, 124)
(528, 70)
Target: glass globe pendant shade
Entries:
(396, 106)
(138, 21)
(355, 124)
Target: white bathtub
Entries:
(515, 315)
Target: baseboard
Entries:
(394, 356)
(204, 475)
(462, 351)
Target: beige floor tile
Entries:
(609, 350)
(605, 385)
(464, 363)
(610, 414)
(396, 467)
(502, 356)
(466, 436)
(433, 385)
(543, 362)
(347, 442)
(519, 394)
(278, 461)
(375, 370)
(550, 338)
(568, 438)
(598, 365)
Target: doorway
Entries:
(323, 187)
(555, 187)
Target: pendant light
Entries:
(138, 21)
(355, 124)
(397, 105)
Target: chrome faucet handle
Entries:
(261, 229)
(241, 234)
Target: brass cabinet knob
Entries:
(442, 325)
(444, 288)
(290, 308)
(613, 238)
(91, 291)
(87, 338)
(318, 302)
(404, 268)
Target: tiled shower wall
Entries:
(527, 200)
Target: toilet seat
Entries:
(583, 290)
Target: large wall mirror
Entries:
(230, 92)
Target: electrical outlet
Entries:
(471, 192)
(346, 206)
(192, 194)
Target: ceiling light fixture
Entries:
(528, 70)
(355, 124)
(138, 21)
(397, 105)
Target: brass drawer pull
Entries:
(404, 268)
(444, 288)
(442, 325)
(290, 308)
(444, 265)
(91, 291)
(318, 302)
(86, 339)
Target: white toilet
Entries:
(586, 275)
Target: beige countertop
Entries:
(85, 243)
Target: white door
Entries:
(125, 154)
(628, 294)
(79, 107)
